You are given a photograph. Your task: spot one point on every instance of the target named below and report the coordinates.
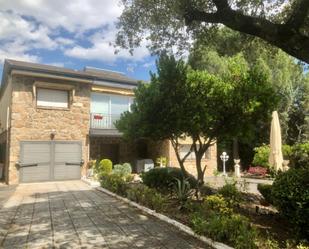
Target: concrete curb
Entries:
(180, 226)
(90, 182)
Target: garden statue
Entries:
(237, 167)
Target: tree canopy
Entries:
(180, 102)
(286, 75)
(167, 23)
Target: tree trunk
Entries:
(199, 168)
(235, 148)
(180, 160)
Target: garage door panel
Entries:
(67, 147)
(36, 153)
(36, 173)
(66, 172)
(53, 159)
(67, 153)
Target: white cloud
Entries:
(62, 25)
(74, 16)
(102, 50)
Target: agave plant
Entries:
(182, 190)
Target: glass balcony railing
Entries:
(103, 121)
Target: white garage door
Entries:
(50, 160)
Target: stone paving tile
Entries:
(72, 215)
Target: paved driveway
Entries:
(72, 215)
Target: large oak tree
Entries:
(282, 23)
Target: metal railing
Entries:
(103, 121)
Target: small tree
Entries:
(180, 102)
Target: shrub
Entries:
(146, 196)
(183, 191)
(300, 155)
(122, 169)
(164, 178)
(261, 156)
(114, 183)
(161, 161)
(206, 190)
(230, 192)
(265, 190)
(104, 166)
(262, 153)
(234, 229)
(290, 193)
(216, 203)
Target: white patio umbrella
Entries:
(275, 156)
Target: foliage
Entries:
(261, 156)
(197, 104)
(182, 190)
(105, 166)
(161, 161)
(91, 164)
(265, 190)
(146, 196)
(164, 178)
(262, 153)
(232, 229)
(206, 190)
(290, 193)
(230, 192)
(113, 182)
(217, 203)
(286, 76)
(122, 169)
(300, 155)
(171, 23)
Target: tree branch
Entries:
(299, 14)
(285, 36)
(221, 4)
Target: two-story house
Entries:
(53, 120)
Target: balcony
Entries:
(104, 124)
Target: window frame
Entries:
(53, 107)
(191, 157)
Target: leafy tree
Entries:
(180, 102)
(286, 75)
(281, 23)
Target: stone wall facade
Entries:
(210, 160)
(127, 151)
(31, 123)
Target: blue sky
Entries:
(71, 34)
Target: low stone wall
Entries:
(244, 184)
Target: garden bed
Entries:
(225, 214)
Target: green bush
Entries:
(230, 192)
(182, 190)
(146, 196)
(300, 155)
(261, 156)
(114, 183)
(122, 169)
(104, 166)
(290, 193)
(265, 190)
(216, 203)
(231, 229)
(163, 179)
(262, 153)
